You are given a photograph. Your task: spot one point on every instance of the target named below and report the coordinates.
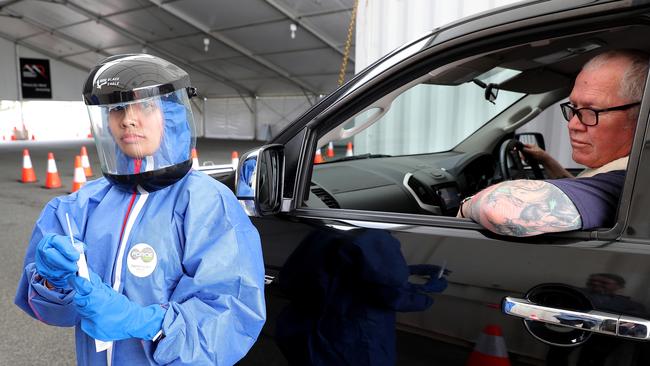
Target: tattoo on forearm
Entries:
(524, 208)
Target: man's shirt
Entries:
(596, 197)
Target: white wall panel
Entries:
(274, 114)
(8, 71)
(263, 118)
(67, 80)
(383, 25)
(229, 118)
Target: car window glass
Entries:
(552, 126)
(431, 118)
(386, 156)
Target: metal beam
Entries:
(91, 20)
(253, 24)
(234, 57)
(100, 19)
(58, 34)
(235, 46)
(44, 52)
(306, 26)
(8, 3)
(326, 12)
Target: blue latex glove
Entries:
(110, 316)
(433, 284)
(56, 260)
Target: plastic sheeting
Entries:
(446, 114)
(248, 118)
(275, 113)
(383, 25)
(229, 118)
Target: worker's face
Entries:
(137, 128)
(598, 88)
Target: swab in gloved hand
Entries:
(79, 247)
(82, 272)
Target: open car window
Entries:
(425, 145)
(396, 155)
(426, 118)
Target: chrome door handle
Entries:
(593, 321)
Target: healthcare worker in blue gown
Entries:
(175, 265)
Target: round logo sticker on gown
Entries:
(142, 260)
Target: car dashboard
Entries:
(420, 184)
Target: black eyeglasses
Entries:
(589, 116)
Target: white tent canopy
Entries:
(230, 48)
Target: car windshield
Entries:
(429, 118)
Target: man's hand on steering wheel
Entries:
(536, 152)
(511, 154)
(552, 167)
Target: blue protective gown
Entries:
(203, 262)
(209, 270)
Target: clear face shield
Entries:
(144, 135)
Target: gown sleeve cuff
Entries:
(55, 295)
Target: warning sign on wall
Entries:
(35, 78)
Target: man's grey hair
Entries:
(633, 81)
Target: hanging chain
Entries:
(348, 43)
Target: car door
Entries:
(349, 293)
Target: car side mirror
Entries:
(535, 138)
(258, 180)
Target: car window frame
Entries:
(416, 66)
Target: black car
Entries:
(357, 247)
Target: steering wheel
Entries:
(510, 162)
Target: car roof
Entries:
(535, 78)
(528, 10)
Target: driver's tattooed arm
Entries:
(523, 208)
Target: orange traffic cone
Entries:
(195, 159)
(85, 163)
(318, 158)
(234, 158)
(330, 150)
(29, 175)
(348, 150)
(490, 349)
(79, 175)
(52, 179)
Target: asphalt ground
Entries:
(27, 341)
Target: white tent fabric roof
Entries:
(250, 52)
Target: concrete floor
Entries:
(30, 342)
(25, 340)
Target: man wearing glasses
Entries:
(601, 112)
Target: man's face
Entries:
(137, 128)
(598, 88)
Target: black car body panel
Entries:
(327, 213)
